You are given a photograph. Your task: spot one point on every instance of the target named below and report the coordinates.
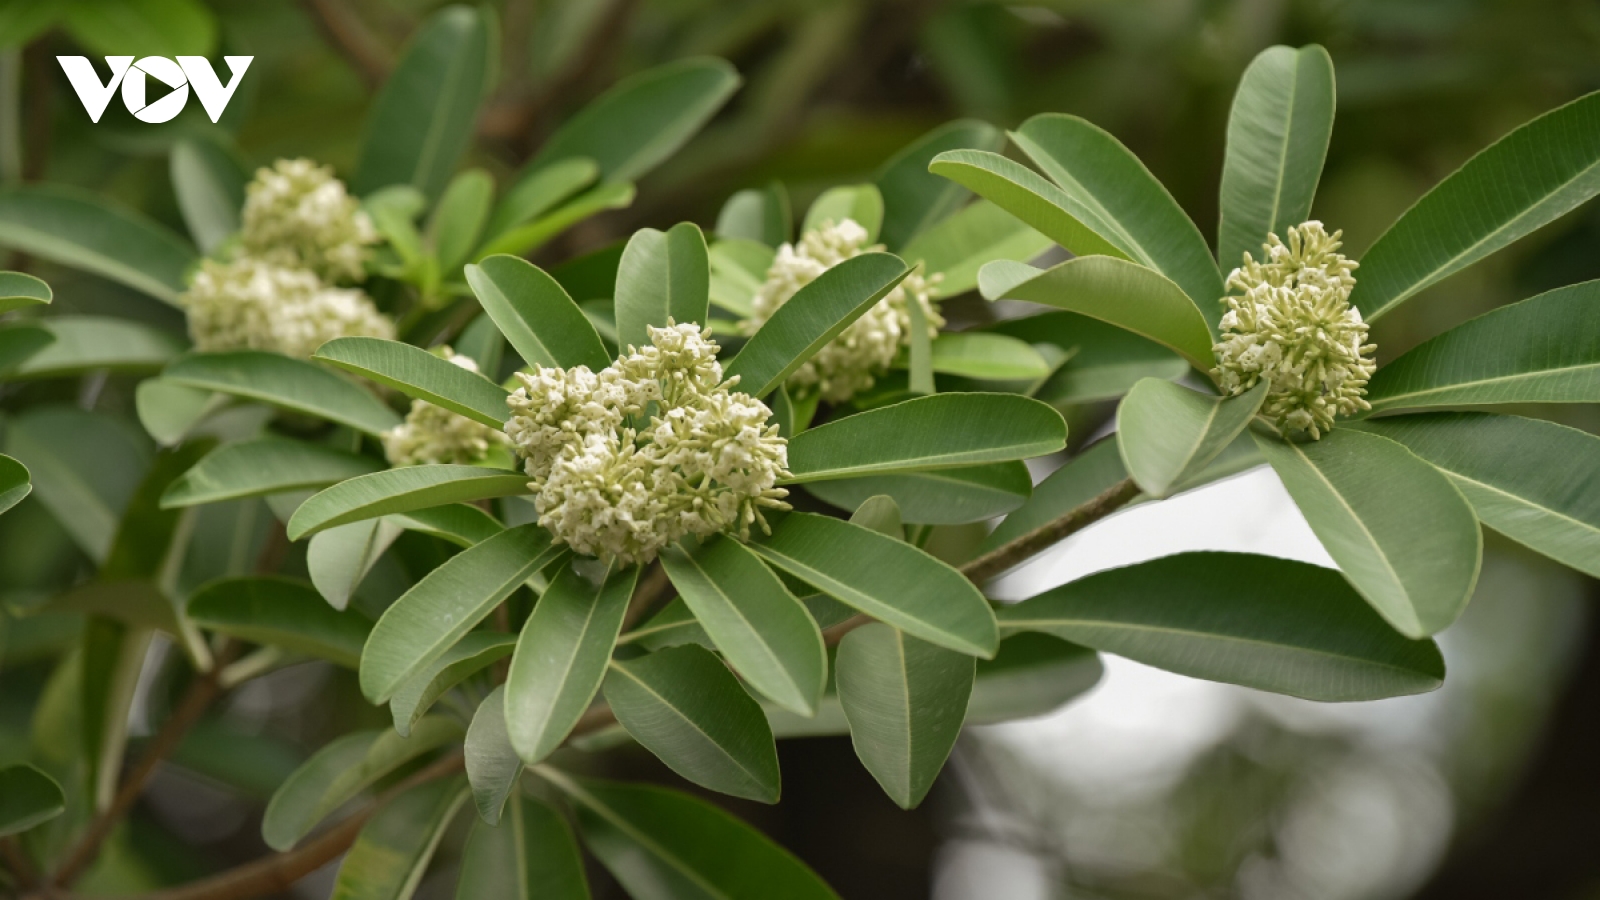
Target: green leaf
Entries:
(881, 514)
(78, 229)
(473, 653)
(915, 199)
(1272, 624)
(939, 432)
(1397, 527)
(1168, 433)
(27, 798)
(666, 845)
(738, 268)
(1112, 192)
(905, 700)
(684, 706)
(457, 221)
(93, 343)
(561, 657)
(530, 855)
(422, 119)
(268, 465)
(1525, 180)
(944, 497)
(421, 375)
(280, 612)
(1084, 477)
(291, 384)
(860, 203)
(1023, 193)
(761, 629)
(458, 523)
(170, 412)
(540, 192)
(437, 611)
(393, 850)
(1117, 292)
(985, 355)
(1278, 136)
(337, 773)
(493, 766)
(525, 239)
(84, 468)
(884, 578)
(542, 323)
(209, 183)
(18, 291)
(1545, 349)
(759, 216)
(401, 491)
(1527, 479)
(14, 484)
(662, 276)
(22, 20)
(643, 119)
(482, 342)
(19, 343)
(339, 558)
(1103, 361)
(1033, 674)
(167, 28)
(958, 247)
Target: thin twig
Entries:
(17, 860)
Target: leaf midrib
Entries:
(758, 638)
(688, 720)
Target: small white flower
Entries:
(297, 214)
(433, 435)
(249, 303)
(851, 362)
(1294, 326)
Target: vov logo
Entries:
(188, 71)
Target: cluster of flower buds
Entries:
(433, 435)
(1292, 325)
(651, 449)
(851, 362)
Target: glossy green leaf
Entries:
(938, 432)
(21, 342)
(1027, 195)
(943, 497)
(27, 798)
(988, 356)
(268, 465)
(93, 343)
(14, 484)
(493, 766)
(561, 657)
(884, 578)
(437, 611)
(524, 239)
(422, 119)
(1545, 349)
(421, 375)
(1530, 480)
(78, 229)
(401, 491)
(530, 855)
(459, 523)
(473, 653)
(19, 290)
(1103, 361)
(905, 700)
(1120, 293)
(761, 629)
(1272, 624)
(961, 244)
(1033, 674)
(394, 848)
(812, 317)
(662, 276)
(860, 203)
(915, 199)
(540, 192)
(662, 844)
(457, 221)
(1278, 136)
(1525, 180)
(684, 706)
(1168, 433)
(757, 215)
(542, 323)
(339, 558)
(1397, 527)
(291, 384)
(280, 612)
(209, 183)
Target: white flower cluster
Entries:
(301, 234)
(852, 361)
(1293, 325)
(433, 435)
(654, 447)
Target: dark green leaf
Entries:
(525, 239)
(1025, 194)
(493, 766)
(542, 323)
(860, 203)
(662, 276)
(92, 343)
(143, 27)
(958, 247)
(944, 497)
(401, 491)
(475, 651)
(760, 216)
(530, 855)
(915, 199)
(291, 384)
(77, 229)
(339, 558)
(14, 484)
(84, 468)
(279, 612)
(540, 192)
(27, 798)
(1169, 434)
(18, 290)
(1084, 477)
(457, 221)
(1102, 361)
(421, 375)
(268, 465)
(1033, 674)
(393, 850)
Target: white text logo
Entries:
(187, 72)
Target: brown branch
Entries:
(17, 860)
(651, 589)
(350, 37)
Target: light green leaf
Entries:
(291, 384)
(448, 602)
(530, 855)
(539, 193)
(525, 239)
(1545, 349)
(1115, 291)
(91, 343)
(457, 220)
(1525, 180)
(989, 356)
(761, 629)
(958, 247)
(77, 229)
(684, 706)
(1102, 360)
(167, 28)
(861, 203)
(1397, 527)
(473, 653)
(884, 578)
(1272, 624)
(666, 845)
(1084, 477)
(280, 612)
(915, 199)
(944, 497)
(422, 119)
(18, 291)
(393, 850)
(493, 766)
(758, 216)
(1033, 674)
(662, 276)
(170, 412)
(14, 484)
(939, 432)
(209, 183)
(21, 342)
(27, 798)
(1278, 136)
(738, 268)
(421, 375)
(1168, 434)
(401, 491)
(1025, 194)
(542, 323)
(561, 657)
(881, 514)
(339, 558)
(905, 700)
(268, 465)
